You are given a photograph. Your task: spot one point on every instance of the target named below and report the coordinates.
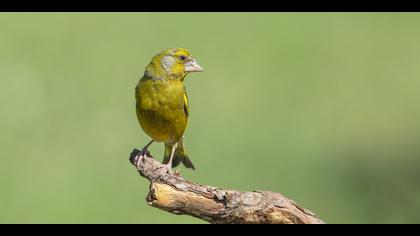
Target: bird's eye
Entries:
(182, 57)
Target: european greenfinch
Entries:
(162, 103)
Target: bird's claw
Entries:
(165, 169)
(144, 152)
(136, 155)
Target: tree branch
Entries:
(172, 193)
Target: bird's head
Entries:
(173, 63)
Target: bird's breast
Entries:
(160, 109)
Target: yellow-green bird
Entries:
(162, 102)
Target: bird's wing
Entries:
(186, 107)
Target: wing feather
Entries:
(186, 107)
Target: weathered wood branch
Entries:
(172, 193)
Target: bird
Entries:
(162, 103)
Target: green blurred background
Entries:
(322, 107)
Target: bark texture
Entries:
(172, 193)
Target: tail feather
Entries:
(179, 156)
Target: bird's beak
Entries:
(193, 66)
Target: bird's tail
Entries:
(179, 156)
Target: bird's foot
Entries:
(165, 169)
(144, 152)
(134, 156)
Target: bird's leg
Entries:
(144, 151)
(168, 166)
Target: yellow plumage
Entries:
(162, 102)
